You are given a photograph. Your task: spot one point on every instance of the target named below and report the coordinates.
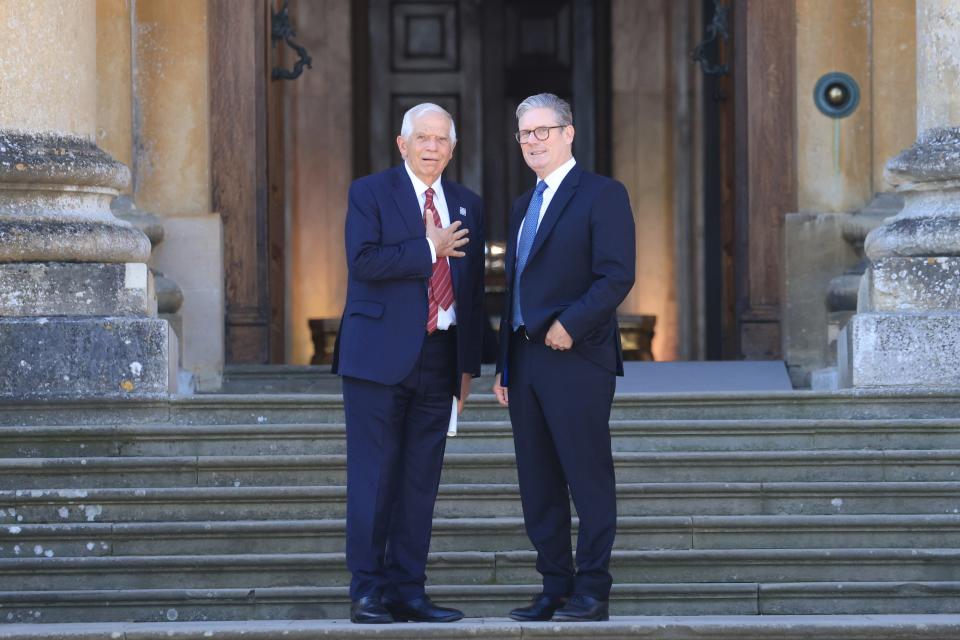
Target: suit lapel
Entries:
(452, 197)
(559, 202)
(406, 200)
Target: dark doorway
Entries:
(718, 191)
(555, 46)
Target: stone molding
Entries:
(56, 198)
(934, 157)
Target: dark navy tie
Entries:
(527, 234)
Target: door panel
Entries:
(478, 60)
(425, 52)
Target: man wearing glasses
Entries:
(570, 262)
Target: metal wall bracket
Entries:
(716, 29)
(282, 30)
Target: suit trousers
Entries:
(560, 410)
(396, 436)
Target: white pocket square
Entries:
(463, 211)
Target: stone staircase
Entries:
(231, 507)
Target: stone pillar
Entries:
(77, 306)
(907, 329)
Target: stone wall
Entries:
(840, 162)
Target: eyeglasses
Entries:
(540, 133)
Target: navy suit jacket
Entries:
(580, 268)
(385, 317)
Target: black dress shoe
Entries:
(421, 610)
(540, 609)
(581, 608)
(369, 610)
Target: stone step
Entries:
(482, 534)
(466, 468)
(279, 378)
(133, 440)
(257, 570)
(648, 599)
(328, 408)
(39, 506)
(863, 627)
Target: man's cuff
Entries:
(433, 251)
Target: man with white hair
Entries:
(408, 346)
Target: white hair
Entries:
(406, 129)
(547, 100)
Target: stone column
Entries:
(907, 329)
(77, 307)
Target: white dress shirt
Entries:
(553, 183)
(445, 317)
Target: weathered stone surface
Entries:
(842, 292)
(76, 240)
(192, 256)
(169, 294)
(938, 63)
(76, 289)
(656, 625)
(928, 174)
(816, 251)
(83, 357)
(825, 379)
(58, 159)
(856, 226)
(55, 194)
(934, 157)
(89, 532)
(918, 235)
(903, 349)
(151, 225)
(913, 284)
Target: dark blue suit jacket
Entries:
(580, 268)
(388, 258)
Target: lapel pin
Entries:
(463, 211)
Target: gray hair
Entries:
(547, 100)
(406, 129)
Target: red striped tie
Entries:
(440, 291)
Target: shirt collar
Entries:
(557, 175)
(419, 186)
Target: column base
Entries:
(878, 350)
(29, 289)
(915, 284)
(94, 357)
